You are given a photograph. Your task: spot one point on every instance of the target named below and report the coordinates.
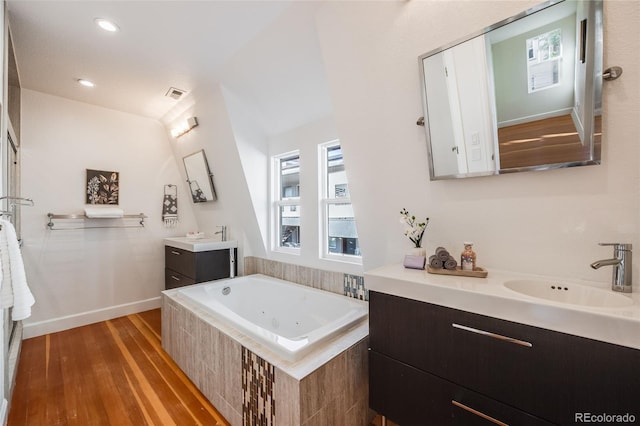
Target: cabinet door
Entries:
(413, 332)
(409, 396)
(605, 379)
(212, 265)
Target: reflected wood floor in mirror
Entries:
(548, 141)
(109, 373)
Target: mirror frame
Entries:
(206, 171)
(595, 49)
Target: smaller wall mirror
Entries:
(199, 178)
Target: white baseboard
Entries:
(527, 119)
(576, 122)
(77, 320)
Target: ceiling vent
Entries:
(174, 93)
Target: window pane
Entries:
(336, 177)
(543, 60)
(342, 234)
(290, 177)
(289, 226)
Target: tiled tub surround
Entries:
(327, 386)
(335, 282)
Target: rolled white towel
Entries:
(103, 212)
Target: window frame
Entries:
(324, 202)
(278, 202)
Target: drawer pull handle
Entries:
(478, 413)
(175, 278)
(177, 253)
(495, 336)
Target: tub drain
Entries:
(226, 290)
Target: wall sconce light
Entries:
(184, 127)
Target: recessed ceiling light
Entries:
(107, 25)
(85, 83)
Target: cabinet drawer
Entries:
(172, 279)
(180, 261)
(409, 396)
(519, 365)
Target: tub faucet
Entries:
(223, 231)
(621, 262)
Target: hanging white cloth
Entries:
(14, 291)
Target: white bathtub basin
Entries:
(288, 318)
(570, 293)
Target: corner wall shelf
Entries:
(123, 220)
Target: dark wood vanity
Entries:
(431, 364)
(188, 263)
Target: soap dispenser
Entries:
(468, 258)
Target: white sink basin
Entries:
(202, 244)
(573, 294)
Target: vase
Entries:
(417, 251)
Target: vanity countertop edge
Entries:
(198, 245)
(487, 296)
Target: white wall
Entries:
(82, 276)
(539, 222)
(216, 136)
(306, 139)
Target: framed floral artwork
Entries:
(102, 187)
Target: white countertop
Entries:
(488, 296)
(202, 244)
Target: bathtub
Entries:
(288, 318)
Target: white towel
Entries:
(14, 279)
(103, 212)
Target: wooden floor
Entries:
(548, 141)
(110, 373)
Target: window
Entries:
(287, 202)
(544, 53)
(339, 237)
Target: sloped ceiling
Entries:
(266, 51)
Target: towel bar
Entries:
(52, 217)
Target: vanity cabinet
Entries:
(431, 364)
(184, 267)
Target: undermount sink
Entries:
(573, 294)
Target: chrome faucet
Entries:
(223, 231)
(621, 262)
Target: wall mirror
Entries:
(523, 94)
(199, 178)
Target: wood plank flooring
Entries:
(109, 373)
(548, 141)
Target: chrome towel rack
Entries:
(19, 201)
(123, 221)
